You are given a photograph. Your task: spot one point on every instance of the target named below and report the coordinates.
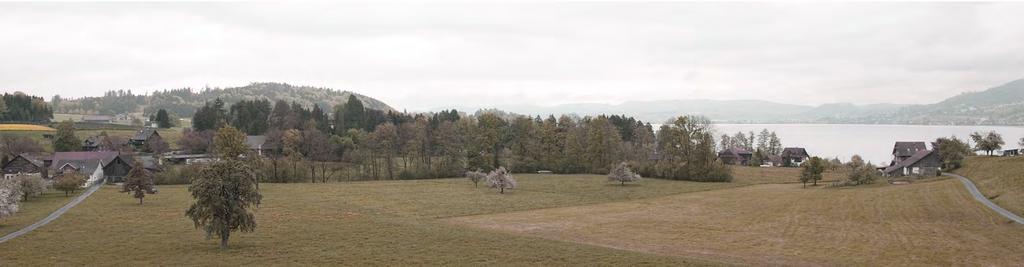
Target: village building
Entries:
(772, 161)
(187, 159)
(259, 145)
(145, 136)
(735, 156)
(794, 156)
(913, 159)
(27, 163)
(97, 118)
(98, 166)
(1011, 152)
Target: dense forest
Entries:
(184, 102)
(394, 145)
(19, 107)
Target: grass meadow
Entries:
(762, 218)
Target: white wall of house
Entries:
(95, 177)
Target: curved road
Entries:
(54, 215)
(984, 200)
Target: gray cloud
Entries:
(419, 56)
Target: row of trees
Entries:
(19, 107)
(392, 145)
(21, 187)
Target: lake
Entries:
(872, 142)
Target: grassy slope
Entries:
(359, 223)
(33, 210)
(1001, 179)
(930, 223)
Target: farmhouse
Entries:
(1011, 152)
(97, 165)
(101, 143)
(27, 163)
(772, 161)
(913, 159)
(145, 136)
(794, 156)
(97, 118)
(259, 144)
(735, 156)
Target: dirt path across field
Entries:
(984, 200)
(53, 216)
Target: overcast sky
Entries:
(419, 57)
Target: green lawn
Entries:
(34, 209)
(356, 223)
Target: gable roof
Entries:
(144, 134)
(906, 149)
(83, 160)
(918, 156)
(794, 152)
(35, 159)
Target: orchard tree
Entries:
(138, 182)
(989, 142)
(9, 197)
(229, 143)
(501, 180)
(812, 171)
(30, 185)
(65, 140)
(224, 192)
(623, 174)
(861, 172)
(475, 177)
(952, 152)
(69, 182)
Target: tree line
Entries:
(379, 144)
(19, 107)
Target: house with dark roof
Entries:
(145, 136)
(97, 165)
(735, 156)
(772, 161)
(260, 145)
(27, 163)
(1011, 152)
(913, 159)
(903, 150)
(794, 156)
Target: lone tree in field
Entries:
(622, 174)
(69, 182)
(9, 196)
(138, 182)
(501, 180)
(475, 177)
(224, 192)
(812, 171)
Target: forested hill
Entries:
(1001, 105)
(185, 101)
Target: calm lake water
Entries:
(872, 142)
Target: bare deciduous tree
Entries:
(475, 177)
(501, 179)
(139, 182)
(622, 174)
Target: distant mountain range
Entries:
(1002, 105)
